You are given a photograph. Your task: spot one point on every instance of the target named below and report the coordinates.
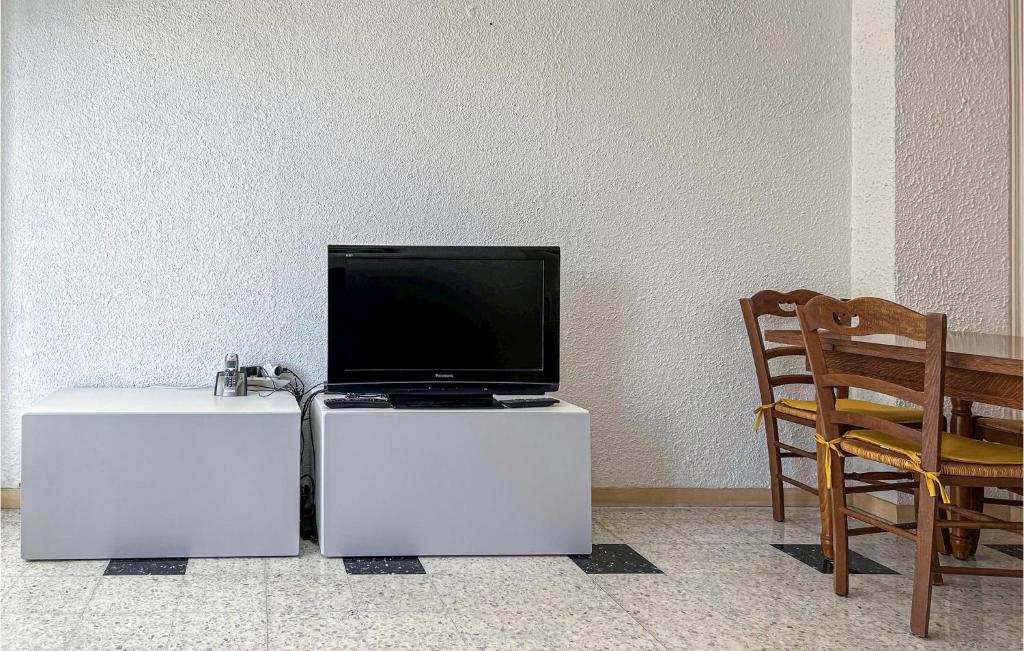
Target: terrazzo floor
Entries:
(677, 578)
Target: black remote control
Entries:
(358, 401)
(517, 403)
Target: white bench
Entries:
(145, 473)
(397, 482)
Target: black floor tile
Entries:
(811, 555)
(614, 559)
(383, 565)
(125, 566)
(1012, 550)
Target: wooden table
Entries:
(980, 367)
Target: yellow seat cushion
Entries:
(888, 412)
(954, 448)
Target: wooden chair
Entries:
(999, 430)
(800, 412)
(936, 458)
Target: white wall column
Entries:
(873, 149)
(953, 161)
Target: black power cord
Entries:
(307, 493)
(307, 480)
(300, 387)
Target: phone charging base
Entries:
(241, 390)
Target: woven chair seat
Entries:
(807, 409)
(952, 468)
(783, 408)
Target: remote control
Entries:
(516, 403)
(358, 401)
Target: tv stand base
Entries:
(442, 482)
(443, 401)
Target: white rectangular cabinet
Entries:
(146, 473)
(406, 482)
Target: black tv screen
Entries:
(480, 319)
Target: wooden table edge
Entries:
(967, 361)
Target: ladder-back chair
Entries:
(800, 412)
(934, 457)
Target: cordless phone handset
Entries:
(231, 374)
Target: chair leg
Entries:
(943, 543)
(840, 537)
(923, 560)
(824, 504)
(775, 468)
(977, 504)
(936, 575)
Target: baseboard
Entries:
(871, 504)
(696, 497)
(1005, 512)
(10, 498)
(880, 508)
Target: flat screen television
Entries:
(442, 320)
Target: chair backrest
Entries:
(774, 303)
(874, 316)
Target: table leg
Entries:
(825, 503)
(964, 541)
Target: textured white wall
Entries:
(952, 161)
(873, 149)
(929, 158)
(173, 173)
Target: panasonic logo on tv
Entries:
(444, 375)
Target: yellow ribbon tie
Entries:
(830, 447)
(760, 414)
(931, 477)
